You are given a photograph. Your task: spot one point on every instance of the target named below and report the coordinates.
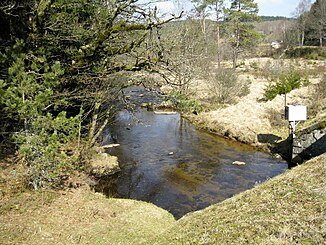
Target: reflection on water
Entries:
(166, 161)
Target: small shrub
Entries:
(254, 65)
(225, 86)
(312, 56)
(44, 146)
(285, 84)
(275, 118)
(308, 52)
(183, 103)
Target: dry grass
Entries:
(75, 216)
(84, 217)
(13, 192)
(251, 115)
(288, 209)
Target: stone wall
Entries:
(309, 142)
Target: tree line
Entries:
(311, 23)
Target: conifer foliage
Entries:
(240, 17)
(63, 65)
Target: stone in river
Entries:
(238, 163)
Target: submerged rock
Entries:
(165, 112)
(110, 146)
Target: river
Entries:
(165, 160)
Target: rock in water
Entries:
(103, 164)
(110, 146)
(238, 163)
(165, 112)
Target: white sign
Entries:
(294, 113)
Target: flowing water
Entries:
(166, 161)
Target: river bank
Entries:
(287, 209)
(254, 120)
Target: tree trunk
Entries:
(235, 57)
(218, 46)
(204, 33)
(93, 140)
(96, 128)
(237, 47)
(284, 32)
(94, 122)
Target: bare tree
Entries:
(317, 21)
(301, 13)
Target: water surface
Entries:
(166, 161)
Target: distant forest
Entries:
(274, 18)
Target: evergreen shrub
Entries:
(285, 84)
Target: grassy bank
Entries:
(287, 209)
(72, 216)
(83, 217)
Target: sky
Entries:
(277, 7)
(266, 7)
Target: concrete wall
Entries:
(309, 142)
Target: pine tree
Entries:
(204, 8)
(316, 29)
(241, 32)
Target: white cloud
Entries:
(169, 7)
(165, 7)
